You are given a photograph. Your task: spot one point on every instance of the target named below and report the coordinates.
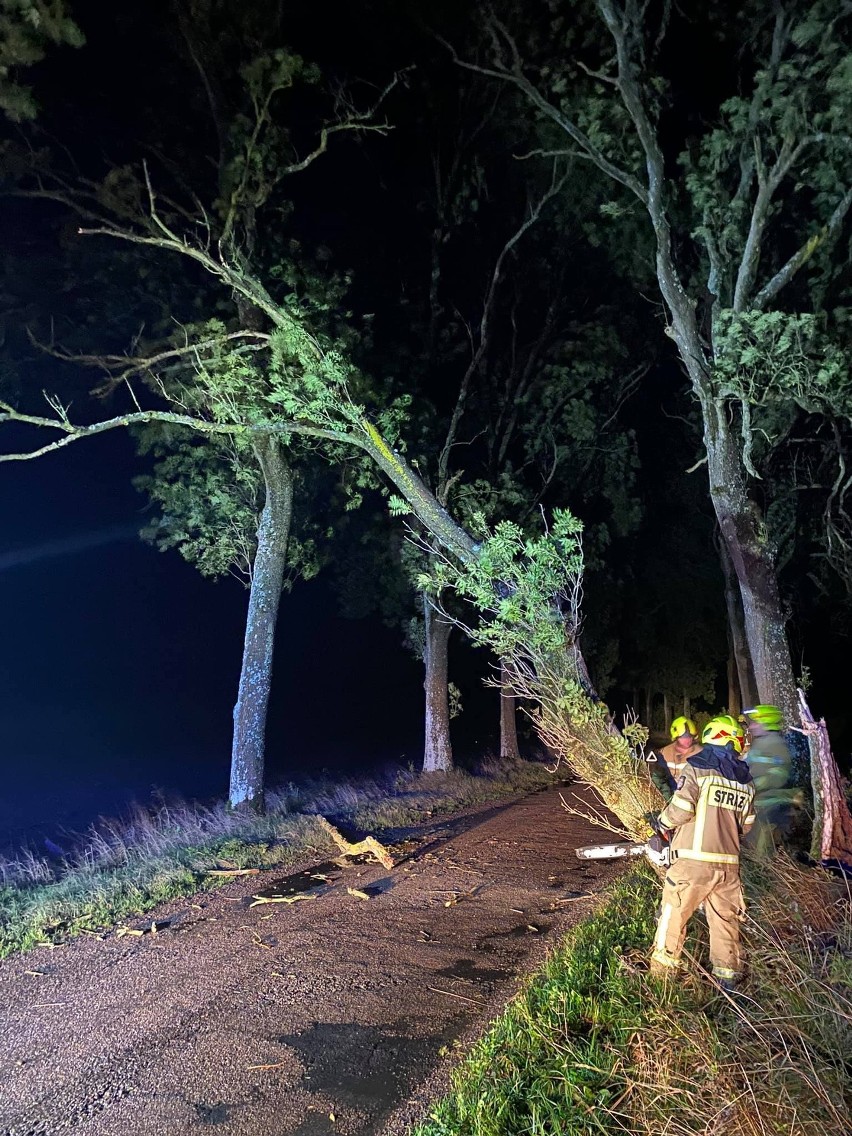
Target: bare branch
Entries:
(74, 433)
(516, 76)
(799, 258)
(464, 388)
(130, 365)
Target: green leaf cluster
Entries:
(27, 29)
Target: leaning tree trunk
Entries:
(247, 754)
(736, 628)
(831, 838)
(438, 750)
(508, 716)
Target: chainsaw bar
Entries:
(609, 851)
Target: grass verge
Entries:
(593, 1044)
(124, 868)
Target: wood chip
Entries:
(274, 1065)
(358, 893)
(259, 899)
(232, 872)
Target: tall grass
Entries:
(593, 1044)
(122, 868)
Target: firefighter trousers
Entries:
(688, 884)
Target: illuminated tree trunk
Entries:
(247, 754)
(438, 750)
(735, 704)
(752, 555)
(508, 716)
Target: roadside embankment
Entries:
(594, 1044)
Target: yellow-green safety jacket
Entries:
(712, 807)
(771, 767)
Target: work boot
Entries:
(727, 981)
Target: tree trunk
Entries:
(751, 553)
(831, 839)
(736, 628)
(666, 716)
(438, 751)
(508, 717)
(649, 709)
(247, 754)
(735, 704)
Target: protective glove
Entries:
(658, 851)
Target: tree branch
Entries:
(516, 76)
(799, 258)
(464, 387)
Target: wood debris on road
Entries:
(368, 844)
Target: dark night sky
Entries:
(119, 663)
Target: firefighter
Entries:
(671, 759)
(709, 813)
(771, 767)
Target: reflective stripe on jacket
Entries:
(712, 807)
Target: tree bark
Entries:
(438, 750)
(735, 704)
(273, 533)
(752, 557)
(740, 656)
(508, 717)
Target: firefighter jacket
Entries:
(771, 766)
(676, 759)
(668, 766)
(712, 807)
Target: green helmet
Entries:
(770, 717)
(681, 726)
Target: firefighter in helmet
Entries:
(671, 759)
(710, 812)
(771, 767)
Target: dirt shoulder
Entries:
(269, 1020)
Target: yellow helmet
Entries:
(681, 726)
(722, 731)
(770, 717)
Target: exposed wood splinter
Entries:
(232, 872)
(368, 844)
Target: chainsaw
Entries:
(657, 849)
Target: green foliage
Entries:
(518, 579)
(527, 591)
(774, 359)
(27, 28)
(209, 493)
(789, 129)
